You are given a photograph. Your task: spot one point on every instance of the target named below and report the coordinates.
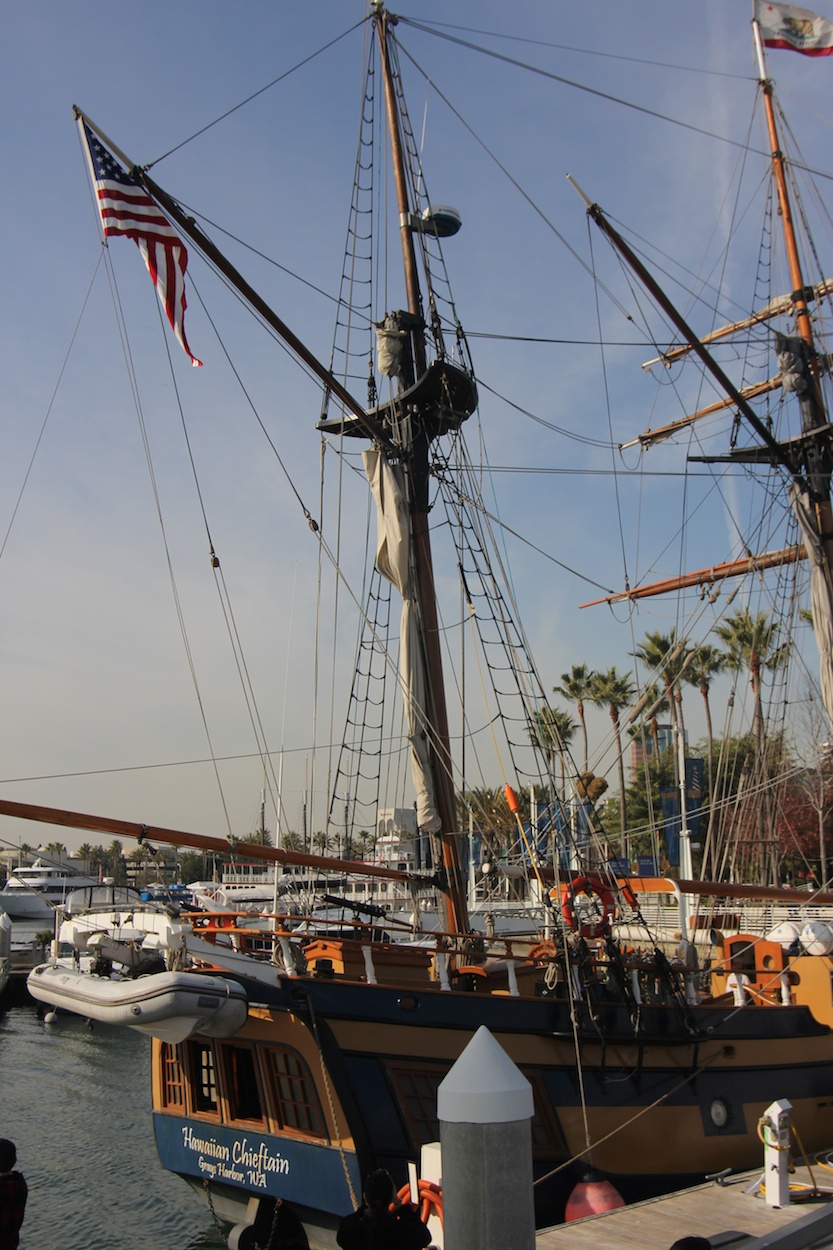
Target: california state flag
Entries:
(785, 26)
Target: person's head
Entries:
(692, 1243)
(379, 1189)
(8, 1154)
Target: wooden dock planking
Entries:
(709, 1210)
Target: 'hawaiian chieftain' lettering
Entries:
(260, 1158)
(206, 1146)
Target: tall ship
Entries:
(292, 1058)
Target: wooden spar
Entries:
(199, 842)
(727, 889)
(665, 431)
(705, 577)
(453, 899)
(652, 286)
(763, 893)
(192, 231)
(775, 308)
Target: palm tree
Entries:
(98, 859)
(577, 686)
(260, 837)
(85, 853)
(114, 860)
(321, 841)
(666, 656)
(492, 817)
(291, 841)
(706, 663)
(614, 691)
(139, 858)
(552, 730)
(751, 644)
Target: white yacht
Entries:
(34, 892)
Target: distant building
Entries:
(397, 838)
(642, 748)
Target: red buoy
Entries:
(593, 1195)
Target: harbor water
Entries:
(76, 1101)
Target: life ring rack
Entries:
(592, 887)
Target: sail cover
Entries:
(393, 560)
(820, 593)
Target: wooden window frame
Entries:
(223, 1057)
(317, 1129)
(194, 1075)
(172, 1076)
(399, 1071)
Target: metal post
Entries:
(775, 1123)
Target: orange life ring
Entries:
(430, 1199)
(542, 953)
(593, 887)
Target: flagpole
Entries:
(759, 49)
(80, 116)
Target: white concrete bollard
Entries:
(485, 1109)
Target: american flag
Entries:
(127, 209)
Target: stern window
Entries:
(203, 1078)
(293, 1094)
(241, 1087)
(173, 1078)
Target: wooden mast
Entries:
(814, 421)
(417, 466)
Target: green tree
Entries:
(577, 685)
(666, 657)
(551, 731)
(139, 859)
(85, 852)
(491, 816)
(615, 691)
(114, 857)
(321, 841)
(707, 662)
(98, 860)
(751, 644)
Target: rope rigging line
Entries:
(134, 386)
(52, 398)
(567, 82)
(435, 27)
(254, 95)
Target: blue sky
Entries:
(100, 711)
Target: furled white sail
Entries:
(393, 560)
(822, 599)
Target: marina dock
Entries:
(730, 1213)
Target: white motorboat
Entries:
(33, 893)
(167, 1005)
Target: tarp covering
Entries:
(393, 560)
(820, 592)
